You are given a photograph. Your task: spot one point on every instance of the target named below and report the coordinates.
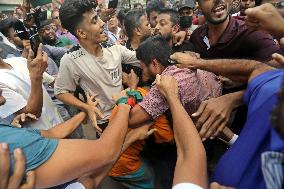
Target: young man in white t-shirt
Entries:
(96, 69)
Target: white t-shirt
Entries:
(95, 75)
(187, 186)
(16, 86)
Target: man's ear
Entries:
(155, 63)
(80, 33)
(137, 31)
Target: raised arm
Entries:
(36, 67)
(236, 69)
(190, 149)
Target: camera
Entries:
(38, 16)
(25, 32)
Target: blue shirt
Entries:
(240, 166)
(36, 148)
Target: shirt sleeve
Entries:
(128, 56)
(154, 103)
(67, 41)
(261, 46)
(66, 80)
(187, 186)
(14, 102)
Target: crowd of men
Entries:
(143, 98)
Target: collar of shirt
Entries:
(167, 71)
(58, 42)
(227, 36)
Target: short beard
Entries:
(168, 37)
(215, 22)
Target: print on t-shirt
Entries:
(114, 74)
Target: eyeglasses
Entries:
(55, 18)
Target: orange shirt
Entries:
(130, 160)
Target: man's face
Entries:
(113, 22)
(13, 38)
(92, 28)
(245, 4)
(144, 28)
(55, 18)
(2, 99)
(48, 34)
(152, 19)
(149, 73)
(185, 12)
(215, 11)
(165, 26)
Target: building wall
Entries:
(9, 5)
(11, 2)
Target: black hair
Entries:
(277, 116)
(121, 15)
(137, 5)
(132, 21)
(6, 24)
(154, 47)
(174, 15)
(154, 5)
(71, 13)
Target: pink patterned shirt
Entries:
(195, 86)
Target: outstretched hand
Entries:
(260, 18)
(23, 118)
(212, 116)
(93, 111)
(187, 60)
(37, 65)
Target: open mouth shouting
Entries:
(219, 10)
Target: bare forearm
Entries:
(237, 70)
(35, 100)
(114, 135)
(189, 148)
(236, 98)
(66, 128)
(130, 138)
(138, 116)
(70, 99)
